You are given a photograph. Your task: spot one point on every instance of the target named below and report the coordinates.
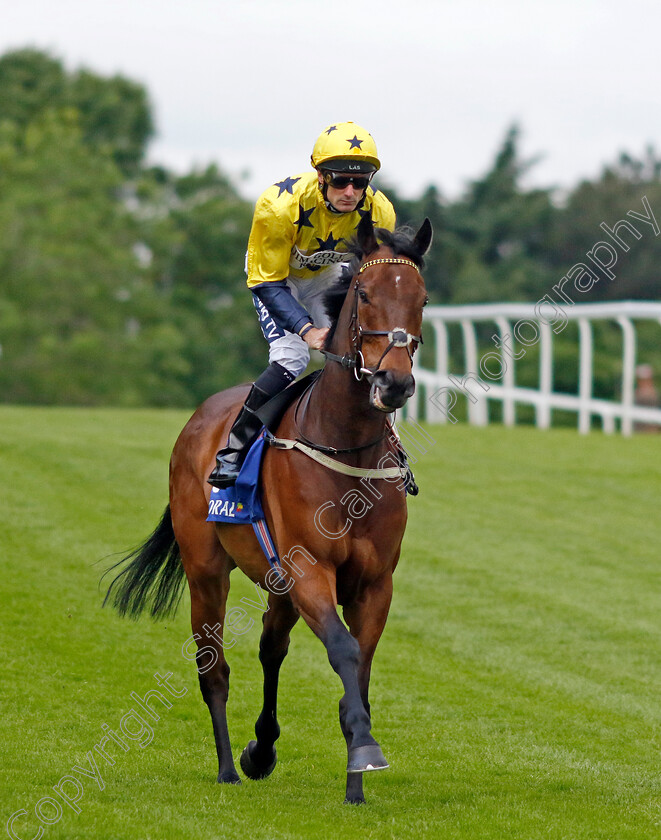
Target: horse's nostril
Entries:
(382, 378)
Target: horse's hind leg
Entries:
(208, 569)
(259, 757)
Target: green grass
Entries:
(515, 691)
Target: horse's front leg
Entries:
(259, 757)
(314, 597)
(366, 619)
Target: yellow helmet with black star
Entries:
(345, 147)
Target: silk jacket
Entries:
(294, 234)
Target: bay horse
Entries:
(376, 317)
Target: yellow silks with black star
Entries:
(294, 234)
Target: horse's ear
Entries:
(365, 235)
(423, 237)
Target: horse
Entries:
(376, 326)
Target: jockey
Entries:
(296, 249)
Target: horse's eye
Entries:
(363, 296)
(426, 301)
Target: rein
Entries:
(320, 447)
(398, 337)
(320, 453)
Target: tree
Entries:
(72, 288)
(113, 113)
(197, 228)
(502, 233)
(113, 290)
(441, 261)
(30, 82)
(577, 227)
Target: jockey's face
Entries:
(346, 199)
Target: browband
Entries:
(388, 260)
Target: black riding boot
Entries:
(247, 426)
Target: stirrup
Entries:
(410, 484)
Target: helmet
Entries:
(345, 147)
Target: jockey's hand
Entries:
(316, 337)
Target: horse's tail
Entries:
(153, 576)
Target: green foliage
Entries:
(503, 242)
(197, 228)
(114, 114)
(65, 252)
(576, 229)
(122, 284)
(489, 245)
(442, 260)
(115, 289)
(30, 82)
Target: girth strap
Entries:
(332, 464)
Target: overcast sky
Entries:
(249, 84)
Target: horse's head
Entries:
(380, 323)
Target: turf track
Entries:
(515, 691)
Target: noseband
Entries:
(398, 336)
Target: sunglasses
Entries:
(340, 182)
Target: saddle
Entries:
(271, 413)
(241, 504)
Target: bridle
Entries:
(398, 336)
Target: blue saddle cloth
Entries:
(241, 504)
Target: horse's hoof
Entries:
(369, 757)
(230, 778)
(360, 801)
(251, 768)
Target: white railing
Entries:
(491, 376)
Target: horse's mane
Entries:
(402, 243)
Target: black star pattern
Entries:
(286, 185)
(364, 213)
(354, 143)
(329, 244)
(332, 128)
(304, 217)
